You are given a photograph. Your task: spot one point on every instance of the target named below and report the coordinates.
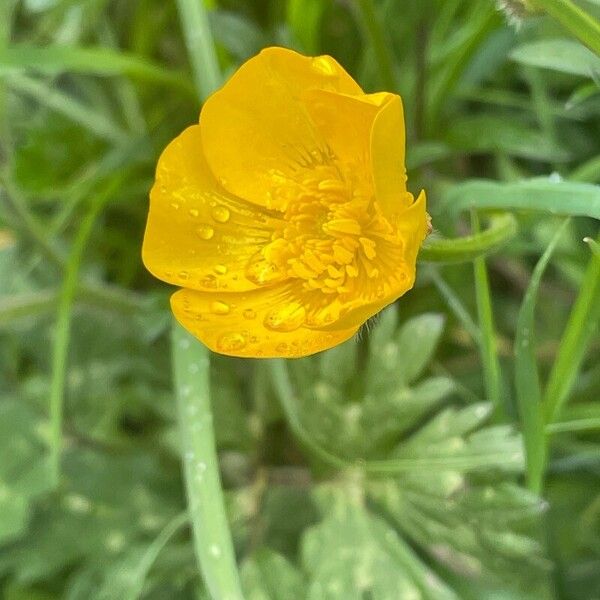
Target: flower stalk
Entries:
(206, 504)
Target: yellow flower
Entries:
(284, 214)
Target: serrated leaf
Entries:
(397, 359)
(267, 575)
(353, 554)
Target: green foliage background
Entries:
(393, 466)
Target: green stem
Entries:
(503, 227)
(28, 224)
(489, 354)
(206, 503)
(200, 46)
(579, 331)
(151, 554)
(60, 346)
(68, 106)
(381, 47)
(580, 23)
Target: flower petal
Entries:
(258, 324)
(388, 138)
(256, 131)
(198, 235)
(345, 122)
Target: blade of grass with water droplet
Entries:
(527, 379)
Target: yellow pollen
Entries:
(368, 247)
(349, 226)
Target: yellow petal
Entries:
(263, 323)
(388, 138)
(198, 235)
(256, 131)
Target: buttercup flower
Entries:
(284, 214)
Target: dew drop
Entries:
(220, 214)
(285, 318)
(282, 348)
(220, 269)
(194, 212)
(210, 282)
(219, 308)
(174, 206)
(324, 66)
(249, 314)
(205, 232)
(259, 270)
(231, 342)
(183, 275)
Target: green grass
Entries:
(452, 451)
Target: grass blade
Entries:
(487, 340)
(60, 346)
(580, 23)
(381, 48)
(527, 380)
(580, 329)
(89, 60)
(566, 198)
(200, 46)
(68, 106)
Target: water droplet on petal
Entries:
(174, 205)
(219, 308)
(249, 314)
(220, 269)
(210, 281)
(220, 214)
(285, 318)
(282, 348)
(205, 231)
(183, 275)
(324, 66)
(260, 271)
(194, 212)
(231, 342)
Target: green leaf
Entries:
(399, 362)
(540, 194)
(474, 529)
(471, 134)
(23, 470)
(353, 554)
(57, 59)
(561, 55)
(267, 575)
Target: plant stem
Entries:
(60, 346)
(206, 504)
(191, 365)
(380, 45)
(580, 23)
(489, 354)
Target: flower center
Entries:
(331, 238)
